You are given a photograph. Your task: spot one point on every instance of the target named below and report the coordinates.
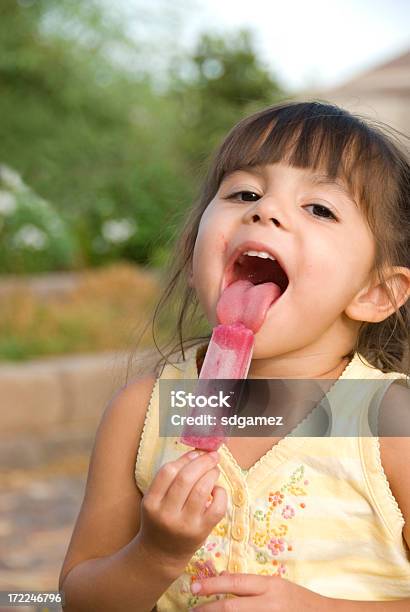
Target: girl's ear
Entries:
(373, 304)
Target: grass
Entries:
(102, 313)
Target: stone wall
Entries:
(52, 407)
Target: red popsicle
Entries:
(241, 310)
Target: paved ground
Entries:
(37, 513)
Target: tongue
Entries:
(244, 302)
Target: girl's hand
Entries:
(176, 516)
(257, 593)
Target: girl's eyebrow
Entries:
(324, 179)
(256, 169)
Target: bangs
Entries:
(317, 136)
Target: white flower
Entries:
(119, 230)
(31, 237)
(7, 203)
(10, 178)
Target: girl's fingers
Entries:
(185, 480)
(200, 492)
(241, 605)
(236, 584)
(168, 472)
(217, 508)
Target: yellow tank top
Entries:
(317, 511)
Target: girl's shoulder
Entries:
(386, 398)
(360, 368)
(394, 422)
(129, 404)
(125, 412)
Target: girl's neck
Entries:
(263, 368)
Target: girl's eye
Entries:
(323, 211)
(234, 195)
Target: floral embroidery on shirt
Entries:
(202, 569)
(198, 570)
(205, 561)
(276, 498)
(262, 557)
(259, 515)
(273, 522)
(276, 545)
(259, 538)
(288, 512)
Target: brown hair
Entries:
(367, 156)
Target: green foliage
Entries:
(227, 82)
(119, 159)
(33, 236)
(77, 128)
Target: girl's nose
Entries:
(265, 211)
(256, 217)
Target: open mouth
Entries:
(259, 270)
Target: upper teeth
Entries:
(262, 254)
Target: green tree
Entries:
(90, 125)
(80, 123)
(222, 82)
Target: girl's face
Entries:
(318, 233)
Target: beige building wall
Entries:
(380, 94)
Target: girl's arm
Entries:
(395, 451)
(105, 568)
(126, 550)
(395, 457)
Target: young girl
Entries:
(281, 523)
